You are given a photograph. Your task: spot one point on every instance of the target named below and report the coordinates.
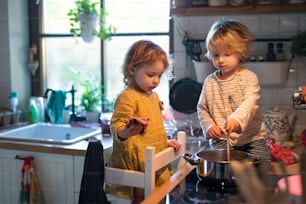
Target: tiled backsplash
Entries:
(271, 26)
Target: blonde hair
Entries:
(143, 52)
(229, 35)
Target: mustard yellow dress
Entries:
(130, 153)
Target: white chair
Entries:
(153, 162)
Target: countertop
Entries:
(186, 168)
(76, 149)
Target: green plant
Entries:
(299, 44)
(90, 7)
(89, 86)
(92, 96)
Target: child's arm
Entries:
(249, 107)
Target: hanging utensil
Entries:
(188, 46)
(193, 48)
(196, 50)
(189, 56)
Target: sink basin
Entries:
(49, 133)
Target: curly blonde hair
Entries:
(143, 52)
(229, 35)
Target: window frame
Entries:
(36, 35)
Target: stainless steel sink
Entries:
(49, 133)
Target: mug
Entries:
(278, 126)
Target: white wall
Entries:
(19, 50)
(14, 47)
(4, 53)
(262, 26)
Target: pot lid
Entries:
(220, 155)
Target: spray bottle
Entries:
(13, 100)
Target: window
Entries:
(135, 20)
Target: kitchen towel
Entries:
(56, 106)
(92, 184)
(30, 192)
(285, 155)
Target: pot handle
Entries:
(188, 157)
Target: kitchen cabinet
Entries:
(78, 173)
(55, 174)
(251, 9)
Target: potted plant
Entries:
(299, 44)
(91, 96)
(91, 100)
(90, 91)
(84, 19)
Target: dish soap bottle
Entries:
(279, 54)
(33, 112)
(270, 57)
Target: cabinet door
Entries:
(78, 173)
(54, 172)
(10, 170)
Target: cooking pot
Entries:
(213, 167)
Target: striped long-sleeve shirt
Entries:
(237, 97)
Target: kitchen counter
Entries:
(179, 177)
(59, 167)
(178, 180)
(76, 149)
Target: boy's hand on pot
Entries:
(232, 125)
(214, 132)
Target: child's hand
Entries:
(137, 125)
(214, 132)
(232, 125)
(134, 126)
(175, 144)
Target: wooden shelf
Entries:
(252, 9)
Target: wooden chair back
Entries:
(153, 162)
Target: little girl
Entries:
(137, 119)
(229, 103)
